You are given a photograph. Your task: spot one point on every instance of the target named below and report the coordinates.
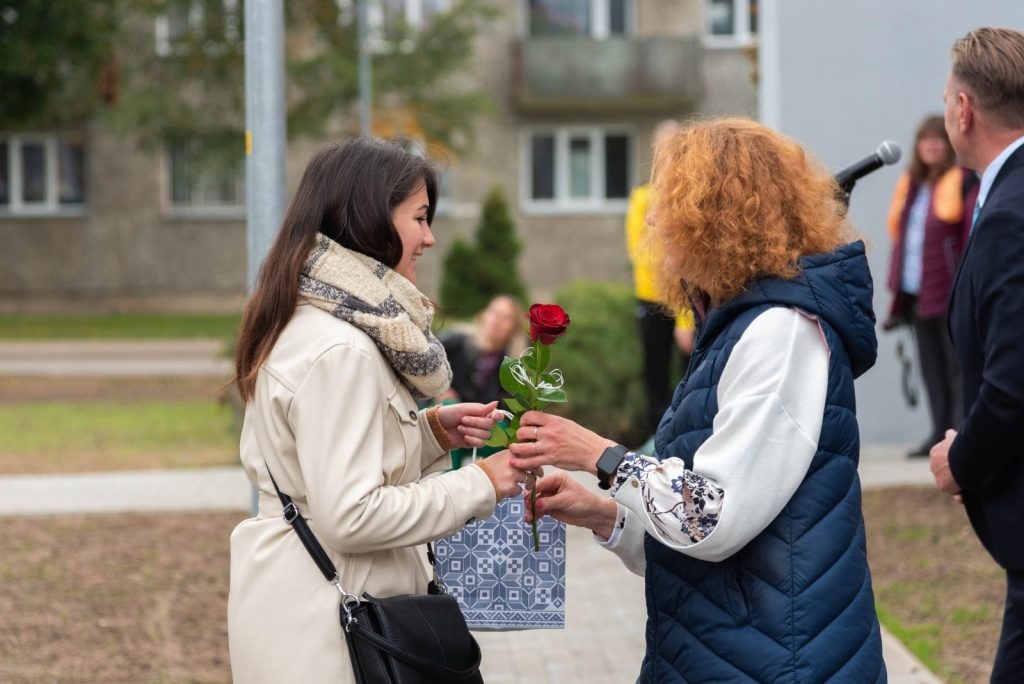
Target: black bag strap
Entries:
(441, 672)
(349, 601)
(293, 517)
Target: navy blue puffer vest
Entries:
(795, 604)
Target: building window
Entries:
(212, 26)
(206, 184)
(592, 18)
(389, 21)
(731, 22)
(577, 169)
(42, 175)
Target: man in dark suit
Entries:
(983, 463)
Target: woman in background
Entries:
(929, 222)
(476, 357)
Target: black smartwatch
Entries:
(608, 464)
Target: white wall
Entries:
(842, 76)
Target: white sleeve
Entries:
(771, 402)
(627, 541)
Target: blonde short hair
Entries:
(989, 63)
(735, 201)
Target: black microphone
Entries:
(886, 153)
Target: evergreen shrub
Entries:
(600, 358)
(475, 272)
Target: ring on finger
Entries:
(535, 431)
(534, 448)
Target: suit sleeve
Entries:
(339, 416)
(992, 435)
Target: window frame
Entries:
(51, 206)
(412, 11)
(176, 210)
(600, 29)
(563, 202)
(196, 19)
(741, 36)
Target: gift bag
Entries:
(500, 582)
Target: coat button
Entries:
(635, 482)
(412, 415)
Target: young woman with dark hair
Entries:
(929, 222)
(335, 349)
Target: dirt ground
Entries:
(120, 599)
(142, 598)
(933, 576)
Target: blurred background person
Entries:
(929, 221)
(476, 355)
(662, 336)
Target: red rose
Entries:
(547, 322)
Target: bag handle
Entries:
(441, 672)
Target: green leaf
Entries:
(514, 405)
(509, 381)
(529, 362)
(498, 438)
(555, 396)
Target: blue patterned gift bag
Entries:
(500, 582)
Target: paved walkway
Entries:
(114, 358)
(603, 638)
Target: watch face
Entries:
(610, 460)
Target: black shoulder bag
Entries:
(411, 639)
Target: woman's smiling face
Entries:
(410, 221)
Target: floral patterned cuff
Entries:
(684, 506)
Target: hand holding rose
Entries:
(547, 440)
(566, 500)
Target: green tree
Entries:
(56, 60)
(474, 273)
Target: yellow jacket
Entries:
(643, 269)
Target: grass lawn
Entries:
(936, 589)
(64, 437)
(116, 326)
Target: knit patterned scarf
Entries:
(384, 305)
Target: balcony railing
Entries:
(623, 75)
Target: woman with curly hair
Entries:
(754, 552)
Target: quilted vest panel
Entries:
(795, 604)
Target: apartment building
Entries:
(89, 220)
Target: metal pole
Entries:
(265, 171)
(265, 127)
(365, 71)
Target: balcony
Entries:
(556, 75)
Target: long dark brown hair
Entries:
(347, 192)
(932, 126)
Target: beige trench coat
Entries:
(345, 440)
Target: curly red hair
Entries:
(734, 201)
